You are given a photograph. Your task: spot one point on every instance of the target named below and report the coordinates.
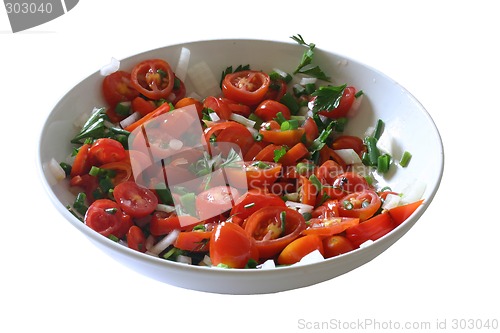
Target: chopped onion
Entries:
(311, 258)
(365, 244)
(207, 261)
(300, 207)
(348, 155)
(110, 68)
(165, 208)
(391, 201)
(354, 107)
(242, 120)
(130, 119)
(413, 192)
(184, 259)
(183, 64)
(308, 80)
(165, 242)
(204, 80)
(213, 116)
(268, 264)
(55, 171)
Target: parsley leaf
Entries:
(327, 97)
(305, 66)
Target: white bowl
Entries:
(406, 120)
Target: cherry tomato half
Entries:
(135, 200)
(231, 246)
(336, 245)
(268, 109)
(362, 205)
(106, 150)
(215, 201)
(346, 101)
(153, 78)
(248, 87)
(273, 228)
(106, 217)
(261, 174)
(117, 87)
(329, 226)
(136, 239)
(371, 229)
(252, 201)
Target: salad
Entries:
(252, 170)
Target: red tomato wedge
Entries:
(230, 245)
(248, 87)
(371, 229)
(329, 226)
(135, 200)
(153, 78)
(401, 213)
(299, 248)
(273, 228)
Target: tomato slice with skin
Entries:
(153, 78)
(107, 150)
(248, 87)
(163, 223)
(345, 104)
(215, 201)
(399, 214)
(106, 217)
(81, 164)
(231, 246)
(336, 245)
(136, 239)
(299, 248)
(261, 174)
(253, 200)
(279, 137)
(135, 200)
(329, 226)
(362, 205)
(117, 87)
(268, 109)
(271, 234)
(371, 229)
(194, 241)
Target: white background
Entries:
(446, 53)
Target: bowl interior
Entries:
(407, 124)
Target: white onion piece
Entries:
(130, 119)
(311, 258)
(348, 155)
(391, 201)
(242, 120)
(110, 68)
(300, 207)
(165, 208)
(184, 259)
(214, 116)
(165, 242)
(354, 107)
(308, 80)
(413, 192)
(268, 264)
(183, 64)
(206, 261)
(204, 80)
(55, 172)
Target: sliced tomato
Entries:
(252, 201)
(279, 137)
(371, 229)
(254, 149)
(248, 87)
(117, 87)
(277, 89)
(194, 241)
(81, 164)
(344, 184)
(329, 226)
(106, 217)
(401, 213)
(142, 105)
(123, 170)
(135, 200)
(336, 245)
(345, 104)
(349, 141)
(308, 191)
(190, 101)
(328, 172)
(136, 239)
(296, 153)
(271, 232)
(215, 201)
(362, 205)
(106, 150)
(311, 130)
(164, 223)
(268, 109)
(328, 209)
(153, 78)
(230, 132)
(261, 174)
(299, 248)
(267, 154)
(231, 246)
(164, 108)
